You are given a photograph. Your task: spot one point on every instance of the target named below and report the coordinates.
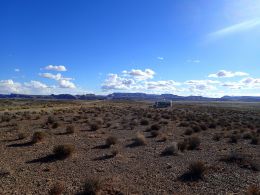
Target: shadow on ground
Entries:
(104, 157)
(26, 144)
(46, 159)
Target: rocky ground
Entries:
(128, 148)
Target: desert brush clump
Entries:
(195, 172)
(114, 152)
(170, 150)
(182, 145)
(196, 128)
(233, 139)
(253, 190)
(92, 186)
(38, 137)
(63, 151)
(155, 127)
(111, 140)
(50, 120)
(55, 125)
(216, 137)
(139, 140)
(163, 137)
(184, 124)
(57, 189)
(247, 135)
(254, 139)
(94, 126)
(188, 132)
(70, 129)
(240, 159)
(203, 127)
(155, 133)
(144, 122)
(212, 125)
(193, 143)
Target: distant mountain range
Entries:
(131, 96)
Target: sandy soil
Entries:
(125, 168)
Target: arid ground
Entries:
(127, 147)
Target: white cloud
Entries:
(192, 82)
(114, 82)
(32, 87)
(232, 85)
(54, 76)
(224, 73)
(136, 81)
(60, 68)
(250, 80)
(66, 84)
(246, 83)
(9, 86)
(139, 74)
(201, 85)
(163, 86)
(51, 76)
(160, 58)
(239, 27)
(38, 88)
(36, 84)
(17, 70)
(62, 81)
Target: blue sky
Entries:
(202, 47)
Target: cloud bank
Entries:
(137, 80)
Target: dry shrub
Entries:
(193, 143)
(241, 160)
(63, 151)
(216, 137)
(188, 132)
(184, 124)
(139, 140)
(57, 189)
(70, 129)
(114, 152)
(196, 129)
(196, 171)
(254, 140)
(55, 125)
(92, 186)
(50, 120)
(155, 127)
(170, 150)
(163, 137)
(111, 140)
(144, 122)
(233, 139)
(94, 126)
(247, 136)
(212, 125)
(203, 127)
(155, 133)
(5, 118)
(38, 137)
(253, 190)
(182, 145)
